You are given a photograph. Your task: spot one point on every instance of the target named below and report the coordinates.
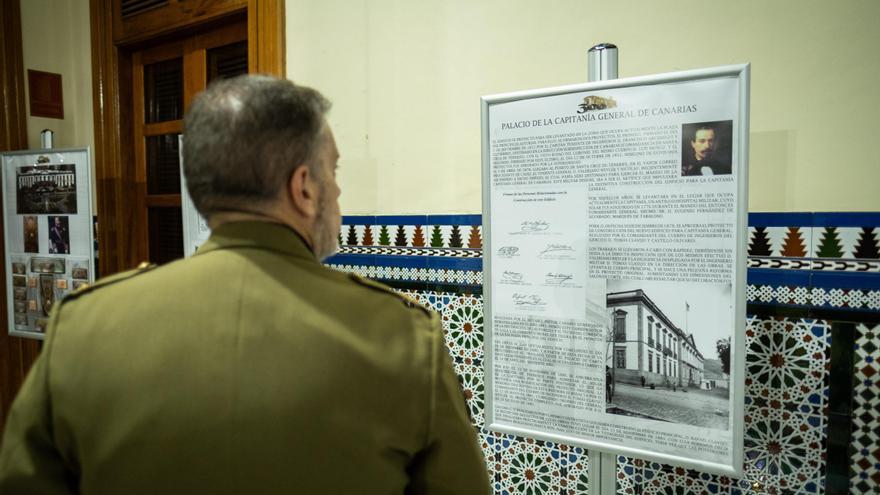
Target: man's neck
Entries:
(223, 217)
(219, 218)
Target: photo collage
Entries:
(43, 264)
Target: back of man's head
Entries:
(243, 137)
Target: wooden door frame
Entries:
(121, 245)
(16, 354)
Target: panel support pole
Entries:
(601, 66)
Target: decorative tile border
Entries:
(866, 266)
(403, 251)
(815, 235)
(418, 231)
(824, 261)
(865, 443)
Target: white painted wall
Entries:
(406, 77)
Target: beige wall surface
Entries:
(406, 78)
(55, 38)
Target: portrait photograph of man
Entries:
(59, 235)
(706, 148)
(31, 238)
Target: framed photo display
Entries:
(48, 231)
(614, 223)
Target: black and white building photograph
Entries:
(668, 352)
(46, 189)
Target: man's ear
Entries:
(302, 189)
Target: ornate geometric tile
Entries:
(573, 466)
(471, 379)
(527, 467)
(635, 476)
(463, 327)
(865, 442)
(786, 401)
(784, 450)
(861, 299)
(408, 274)
(858, 299)
(787, 364)
(431, 300)
(489, 440)
(787, 359)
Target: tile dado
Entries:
(797, 262)
(865, 443)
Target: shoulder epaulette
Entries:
(406, 300)
(109, 280)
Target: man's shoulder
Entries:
(384, 294)
(108, 281)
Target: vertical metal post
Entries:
(46, 139)
(601, 66)
(602, 62)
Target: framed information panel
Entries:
(47, 228)
(614, 218)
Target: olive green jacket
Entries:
(249, 368)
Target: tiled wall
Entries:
(813, 334)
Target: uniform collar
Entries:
(262, 235)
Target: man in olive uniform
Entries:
(249, 368)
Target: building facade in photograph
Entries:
(644, 343)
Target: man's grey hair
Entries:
(244, 137)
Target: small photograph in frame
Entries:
(80, 273)
(59, 235)
(32, 305)
(18, 268)
(706, 148)
(61, 283)
(46, 190)
(20, 307)
(47, 293)
(21, 319)
(19, 281)
(19, 293)
(47, 265)
(32, 282)
(79, 284)
(40, 325)
(31, 237)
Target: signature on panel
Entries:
(533, 226)
(509, 276)
(508, 251)
(559, 278)
(557, 248)
(528, 300)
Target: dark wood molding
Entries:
(13, 127)
(115, 185)
(171, 19)
(16, 354)
(266, 45)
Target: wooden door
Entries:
(165, 80)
